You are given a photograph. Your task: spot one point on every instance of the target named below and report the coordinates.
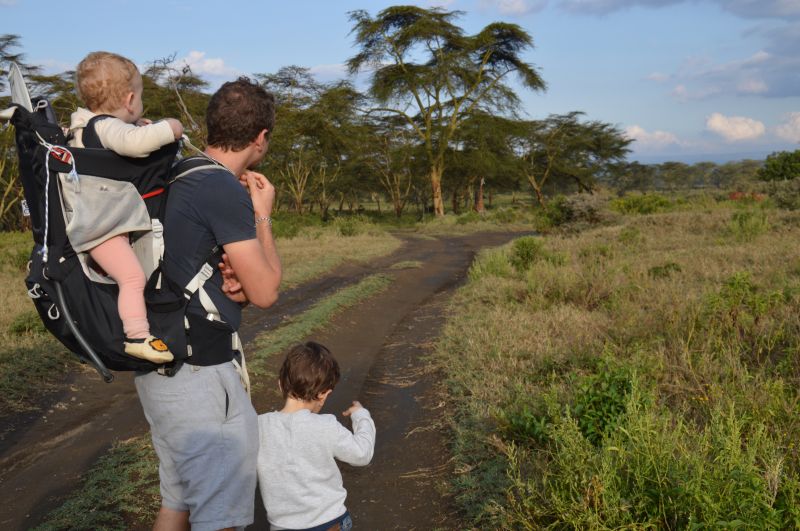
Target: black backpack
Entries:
(75, 306)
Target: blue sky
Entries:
(687, 79)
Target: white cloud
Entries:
(513, 7)
(752, 86)
(762, 74)
(735, 128)
(201, 65)
(790, 129)
(682, 93)
(331, 72)
(744, 8)
(651, 140)
(658, 77)
(444, 4)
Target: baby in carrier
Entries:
(111, 85)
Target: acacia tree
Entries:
(563, 147)
(482, 150)
(429, 72)
(388, 150)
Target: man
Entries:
(203, 424)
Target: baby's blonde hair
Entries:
(104, 79)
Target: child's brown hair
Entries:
(308, 371)
(104, 79)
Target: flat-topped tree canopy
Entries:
(425, 69)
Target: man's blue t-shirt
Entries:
(204, 209)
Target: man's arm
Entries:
(256, 262)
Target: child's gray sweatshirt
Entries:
(299, 479)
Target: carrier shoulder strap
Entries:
(89, 135)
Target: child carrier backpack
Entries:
(78, 304)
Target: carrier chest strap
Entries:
(196, 285)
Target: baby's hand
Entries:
(177, 127)
(352, 409)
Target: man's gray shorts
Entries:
(205, 432)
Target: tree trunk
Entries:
(479, 208)
(537, 190)
(454, 201)
(436, 188)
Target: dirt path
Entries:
(379, 344)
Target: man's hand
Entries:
(231, 286)
(352, 409)
(261, 192)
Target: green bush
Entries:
(780, 166)
(600, 400)
(504, 215)
(493, 262)
(641, 204)
(630, 236)
(523, 425)
(746, 225)
(664, 271)
(288, 225)
(352, 225)
(525, 251)
(469, 217)
(785, 194)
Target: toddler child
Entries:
(110, 84)
(299, 479)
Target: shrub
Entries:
(780, 166)
(630, 236)
(525, 251)
(785, 194)
(504, 215)
(599, 401)
(469, 217)
(490, 263)
(641, 204)
(746, 225)
(664, 271)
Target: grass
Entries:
(123, 486)
(315, 251)
(407, 264)
(641, 374)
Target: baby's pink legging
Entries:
(116, 258)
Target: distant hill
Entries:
(718, 158)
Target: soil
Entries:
(381, 344)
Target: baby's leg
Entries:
(116, 257)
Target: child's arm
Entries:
(356, 447)
(132, 141)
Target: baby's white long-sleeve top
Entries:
(122, 138)
(299, 479)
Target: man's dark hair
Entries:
(237, 113)
(308, 371)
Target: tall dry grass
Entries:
(643, 374)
